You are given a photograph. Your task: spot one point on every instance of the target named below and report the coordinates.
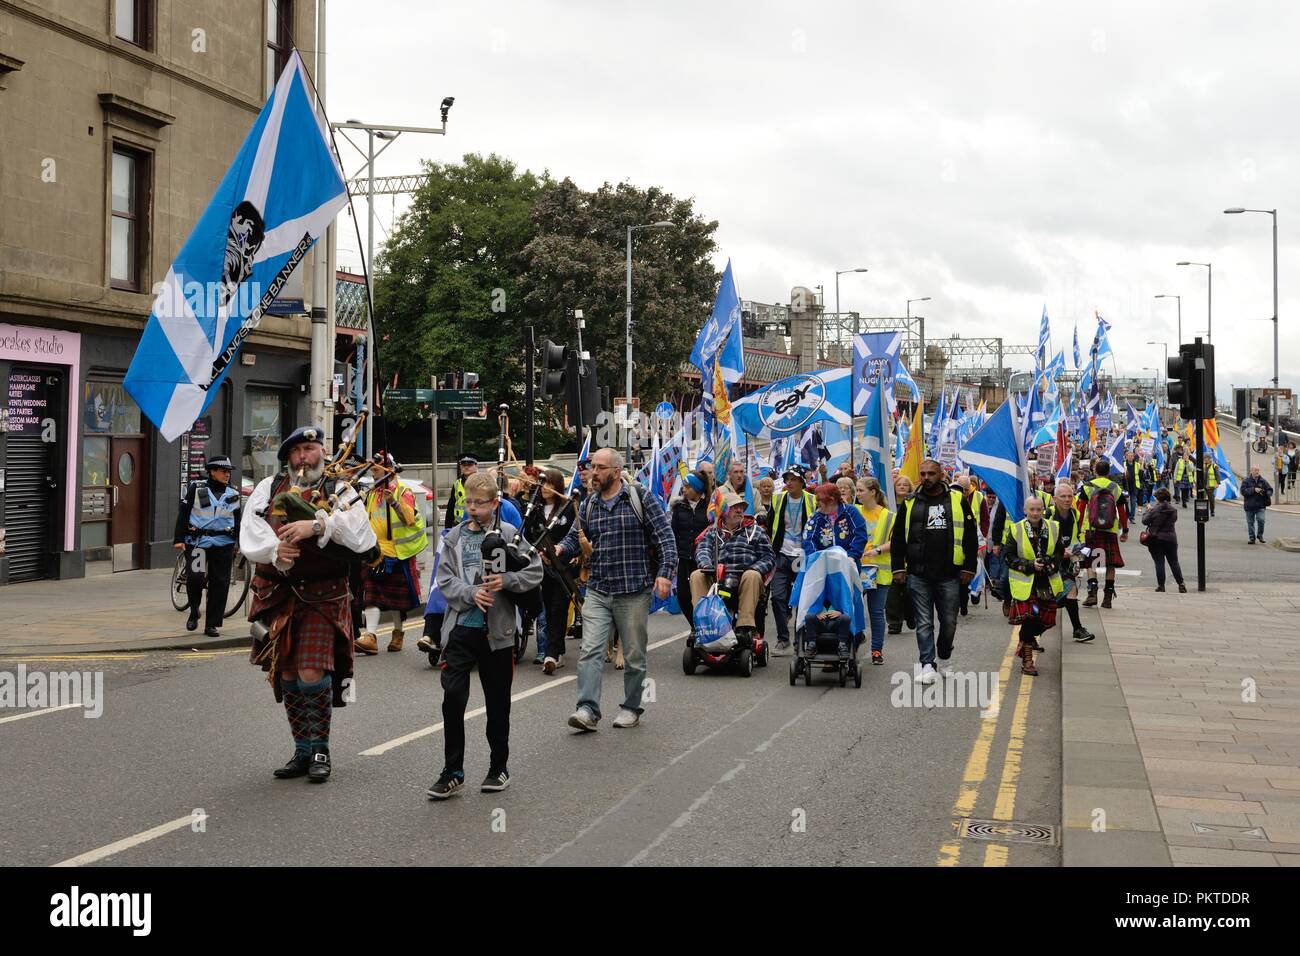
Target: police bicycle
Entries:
(241, 576)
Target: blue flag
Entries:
(281, 192)
(1076, 343)
(876, 360)
(1044, 338)
(792, 404)
(875, 442)
(722, 331)
(996, 453)
(576, 480)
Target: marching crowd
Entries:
(586, 559)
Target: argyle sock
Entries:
(295, 707)
(319, 700)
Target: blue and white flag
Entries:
(282, 190)
(1115, 454)
(1044, 338)
(1228, 488)
(807, 450)
(829, 577)
(875, 442)
(940, 416)
(996, 453)
(1055, 367)
(1100, 343)
(794, 403)
(1034, 415)
(876, 359)
(576, 480)
(722, 330)
(839, 443)
(1076, 343)
(1067, 466)
(1132, 424)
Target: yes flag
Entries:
(720, 338)
(283, 188)
(794, 403)
(996, 453)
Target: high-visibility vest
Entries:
(1184, 467)
(1076, 531)
(958, 525)
(879, 536)
(1022, 584)
(458, 495)
(976, 504)
(778, 510)
(396, 538)
(213, 517)
(1097, 484)
(1211, 475)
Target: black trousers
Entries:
(898, 607)
(684, 569)
(1162, 551)
(467, 647)
(556, 599)
(215, 575)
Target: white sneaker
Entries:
(552, 664)
(627, 718)
(926, 675)
(582, 719)
(945, 667)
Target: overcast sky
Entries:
(994, 156)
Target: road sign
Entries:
(664, 410)
(439, 400)
(1277, 393)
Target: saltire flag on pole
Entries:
(282, 190)
(876, 360)
(996, 453)
(1055, 367)
(839, 441)
(1044, 338)
(910, 463)
(939, 417)
(576, 480)
(720, 342)
(1067, 466)
(796, 402)
(808, 449)
(1076, 343)
(1115, 455)
(875, 441)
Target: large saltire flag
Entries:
(283, 188)
(910, 463)
(876, 360)
(996, 453)
(839, 443)
(875, 442)
(794, 403)
(1076, 343)
(1044, 338)
(720, 342)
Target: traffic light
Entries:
(553, 369)
(1263, 412)
(471, 381)
(1191, 380)
(583, 393)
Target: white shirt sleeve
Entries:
(257, 540)
(350, 528)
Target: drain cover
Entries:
(1008, 831)
(1219, 829)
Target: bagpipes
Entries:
(500, 556)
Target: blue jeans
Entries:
(782, 582)
(876, 598)
(1255, 523)
(929, 598)
(602, 614)
(541, 635)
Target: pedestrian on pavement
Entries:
(545, 527)
(633, 552)
(466, 465)
(301, 599)
(933, 550)
(1068, 519)
(1034, 551)
(394, 583)
(1292, 463)
(1102, 499)
(898, 603)
(1132, 483)
(1211, 481)
(1256, 496)
(879, 521)
(738, 543)
(1279, 468)
(1162, 541)
(207, 527)
(689, 517)
(792, 508)
(479, 631)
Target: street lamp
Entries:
(910, 301)
(1209, 296)
(837, 298)
(1180, 313)
(1273, 213)
(662, 224)
(390, 133)
(921, 357)
(1165, 345)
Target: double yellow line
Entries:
(977, 765)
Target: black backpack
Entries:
(634, 498)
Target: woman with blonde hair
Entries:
(898, 604)
(873, 505)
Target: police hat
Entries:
(307, 433)
(467, 460)
(222, 461)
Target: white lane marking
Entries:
(383, 748)
(37, 713)
(94, 856)
(1126, 571)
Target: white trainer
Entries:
(582, 719)
(552, 664)
(627, 718)
(926, 675)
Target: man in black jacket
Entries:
(934, 549)
(689, 517)
(1256, 494)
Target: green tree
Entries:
(577, 259)
(447, 296)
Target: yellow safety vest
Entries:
(1096, 484)
(1185, 467)
(1211, 475)
(976, 504)
(1021, 583)
(407, 540)
(778, 509)
(458, 494)
(958, 525)
(1076, 533)
(879, 536)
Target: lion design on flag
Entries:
(243, 240)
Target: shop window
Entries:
(266, 413)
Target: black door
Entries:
(32, 485)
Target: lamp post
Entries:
(389, 133)
(921, 357)
(1273, 213)
(1209, 297)
(662, 224)
(837, 298)
(1180, 313)
(1164, 345)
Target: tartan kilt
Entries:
(1023, 611)
(1107, 541)
(398, 590)
(320, 632)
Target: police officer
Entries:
(207, 528)
(466, 465)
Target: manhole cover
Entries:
(1008, 831)
(1219, 829)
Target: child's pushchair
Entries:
(830, 617)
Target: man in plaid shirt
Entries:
(618, 592)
